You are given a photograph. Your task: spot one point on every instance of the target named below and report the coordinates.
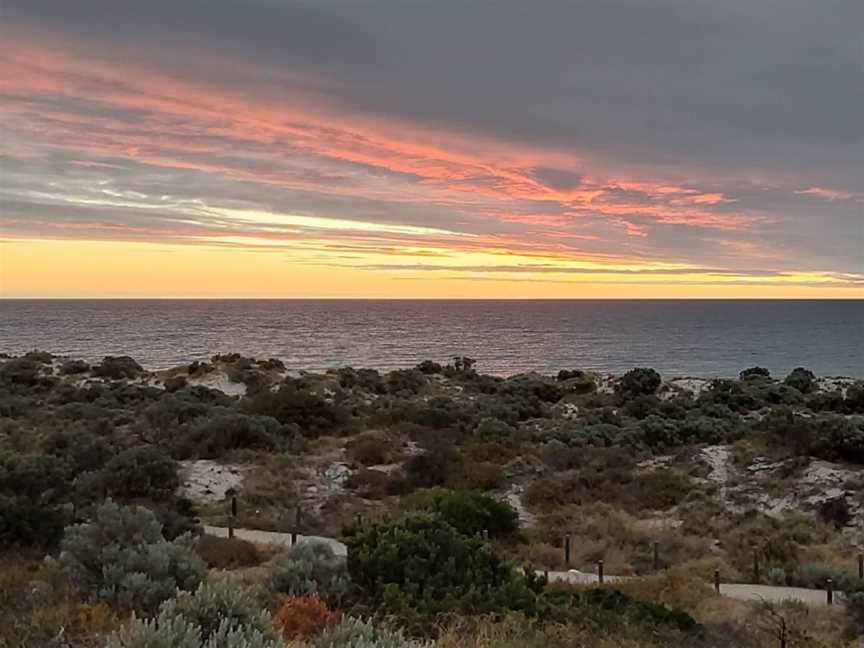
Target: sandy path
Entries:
(275, 538)
(741, 591)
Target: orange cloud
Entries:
(199, 126)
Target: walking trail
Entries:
(741, 591)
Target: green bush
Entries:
(801, 379)
(365, 379)
(74, 367)
(434, 467)
(33, 488)
(311, 567)
(754, 372)
(118, 368)
(420, 564)
(295, 404)
(405, 381)
(25, 523)
(429, 367)
(122, 557)
(141, 472)
(493, 429)
(471, 513)
(210, 437)
(527, 387)
(608, 608)
(357, 633)
(636, 382)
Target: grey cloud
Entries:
(732, 86)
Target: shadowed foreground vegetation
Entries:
(451, 489)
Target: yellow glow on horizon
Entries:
(78, 269)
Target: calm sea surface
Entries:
(696, 338)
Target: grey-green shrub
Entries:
(357, 633)
(122, 557)
(218, 602)
(311, 567)
(181, 633)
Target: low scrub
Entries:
(227, 553)
(121, 557)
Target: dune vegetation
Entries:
(453, 491)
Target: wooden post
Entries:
(567, 551)
(656, 556)
(829, 586)
(717, 580)
(860, 565)
(600, 571)
(232, 519)
(293, 538)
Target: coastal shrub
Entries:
(481, 475)
(420, 563)
(177, 515)
(493, 429)
(838, 438)
(854, 401)
(227, 553)
(180, 633)
(33, 487)
(471, 513)
(801, 379)
(609, 608)
(302, 617)
(84, 447)
(122, 557)
(371, 448)
(311, 567)
(37, 476)
(74, 368)
(367, 380)
(525, 387)
(293, 403)
(23, 373)
(42, 357)
(437, 465)
(372, 484)
(141, 472)
(836, 512)
(162, 419)
(662, 489)
(637, 382)
(25, 523)
(175, 383)
(405, 381)
(216, 604)
(211, 437)
(358, 633)
(754, 372)
(429, 367)
(728, 393)
(118, 368)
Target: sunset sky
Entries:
(407, 148)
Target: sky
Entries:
(408, 148)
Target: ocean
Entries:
(678, 338)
